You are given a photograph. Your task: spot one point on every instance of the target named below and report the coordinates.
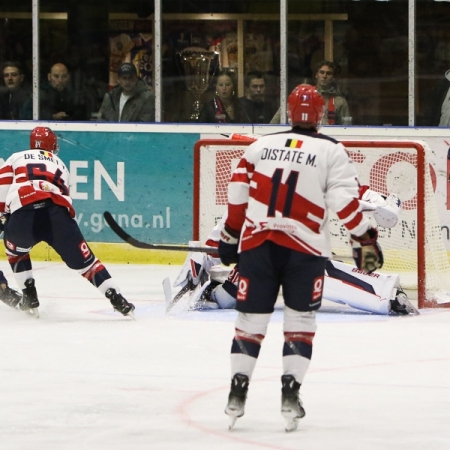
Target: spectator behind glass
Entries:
(437, 104)
(130, 100)
(225, 106)
(336, 106)
(15, 94)
(57, 99)
(257, 107)
(336, 111)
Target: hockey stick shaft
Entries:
(139, 244)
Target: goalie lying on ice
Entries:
(377, 293)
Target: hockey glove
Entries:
(228, 246)
(367, 252)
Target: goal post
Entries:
(414, 249)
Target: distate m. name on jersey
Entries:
(281, 154)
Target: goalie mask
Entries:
(305, 106)
(43, 138)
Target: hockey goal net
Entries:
(414, 249)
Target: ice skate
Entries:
(119, 303)
(9, 296)
(291, 405)
(402, 306)
(30, 302)
(236, 398)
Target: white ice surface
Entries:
(84, 377)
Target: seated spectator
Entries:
(336, 106)
(16, 93)
(225, 106)
(437, 105)
(57, 99)
(258, 108)
(130, 100)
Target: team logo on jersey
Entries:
(293, 143)
(242, 289)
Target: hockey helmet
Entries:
(44, 138)
(305, 106)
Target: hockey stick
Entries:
(139, 244)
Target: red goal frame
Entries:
(421, 254)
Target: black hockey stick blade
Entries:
(139, 244)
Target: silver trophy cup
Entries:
(196, 63)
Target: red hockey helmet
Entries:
(44, 138)
(305, 106)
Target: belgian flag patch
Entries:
(293, 143)
(47, 154)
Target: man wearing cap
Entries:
(130, 100)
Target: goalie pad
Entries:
(346, 284)
(385, 209)
(196, 268)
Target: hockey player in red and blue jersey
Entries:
(277, 228)
(35, 200)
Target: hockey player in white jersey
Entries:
(34, 197)
(279, 197)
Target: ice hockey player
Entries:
(279, 197)
(35, 199)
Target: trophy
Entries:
(196, 63)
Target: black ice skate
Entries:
(119, 303)
(237, 397)
(402, 306)
(30, 302)
(291, 405)
(9, 296)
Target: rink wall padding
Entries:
(143, 174)
(111, 253)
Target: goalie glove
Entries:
(228, 246)
(367, 252)
(385, 209)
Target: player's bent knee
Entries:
(299, 320)
(223, 298)
(252, 323)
